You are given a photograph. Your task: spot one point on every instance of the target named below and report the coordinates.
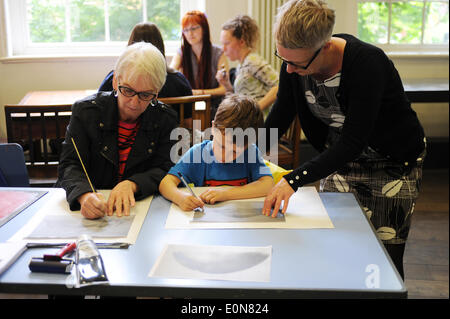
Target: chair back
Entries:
(289, 146)
(13, 171)
(200, 111)
(40, 130)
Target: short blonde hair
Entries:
(245, 28)
(142, 59)
(304, 24)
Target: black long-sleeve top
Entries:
(377, 114)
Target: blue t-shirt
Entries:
(200, 167)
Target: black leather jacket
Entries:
(93, 125)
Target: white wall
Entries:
(19, 77)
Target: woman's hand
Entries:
(214, 195)
(223, 77)
(122, 198)
(280, 192)
(93, 205)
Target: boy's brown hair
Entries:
(238, 111)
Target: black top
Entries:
(176, 85)
(377, 114)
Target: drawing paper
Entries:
(9, 252)
(233, 263)
(305, 211)
(71, 225)
(55, 222)
(235, 212)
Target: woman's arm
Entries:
(176, 62)
(268, 99)
(220, 90)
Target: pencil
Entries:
(190, 189)
(81, 161)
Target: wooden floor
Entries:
(426, 259)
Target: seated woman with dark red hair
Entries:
(198, 59)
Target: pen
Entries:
(224, 71)
(190, 189)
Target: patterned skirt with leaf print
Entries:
(387, 191)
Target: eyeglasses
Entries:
(295, 64)
(191, 29)
(144, 96)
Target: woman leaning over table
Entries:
(254, 76)
(353, 110)
(123, 137)
(199, 59)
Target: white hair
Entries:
(142, 59)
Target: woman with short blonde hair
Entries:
(352, 107)
(304, 24)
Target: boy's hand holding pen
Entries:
(191, 202)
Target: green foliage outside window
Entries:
(373, 22)
(406, 22)
(53, 21)
(123, 16)
(46, 21)
(87, 21)
(159, 11)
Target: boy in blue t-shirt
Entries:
(226, 160)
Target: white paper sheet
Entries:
(305, 210)
(55, 222)
(235, 212)
(9, 252)
(232, 263)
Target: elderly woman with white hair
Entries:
(123, 138)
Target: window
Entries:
(86, 26)
(407, 23)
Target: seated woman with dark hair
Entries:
(176, 83)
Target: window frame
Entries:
(18, 45)
(405, 49)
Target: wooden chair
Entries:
(197, 114)
(40, 130)
(289, 146)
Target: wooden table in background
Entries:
(54, 97)
(38, 123)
